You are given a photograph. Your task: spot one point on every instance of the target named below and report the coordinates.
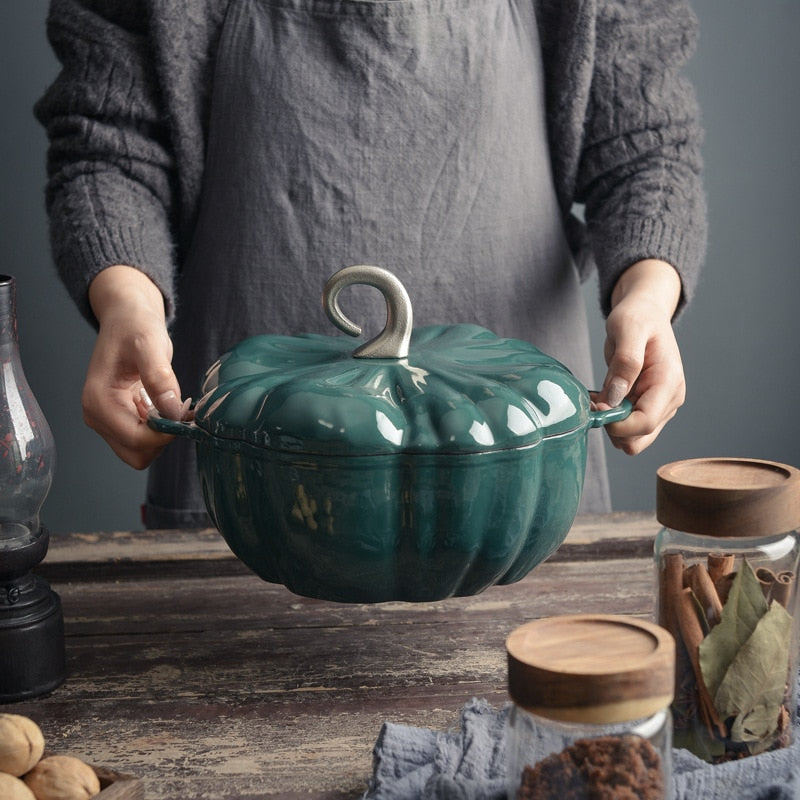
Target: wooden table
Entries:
(206, 682)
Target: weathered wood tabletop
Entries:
(191, 673)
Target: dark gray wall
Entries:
(739, 340)
(92, 489)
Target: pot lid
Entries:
(592, 668)
(436, 389)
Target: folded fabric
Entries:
(468, 764)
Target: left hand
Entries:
(644, 362)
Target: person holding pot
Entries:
(213, 162)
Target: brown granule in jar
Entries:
(605, 768)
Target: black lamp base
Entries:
(32, 653)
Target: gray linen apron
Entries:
(409, 134)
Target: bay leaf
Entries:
(757, 729)
(744, 607)
(754, 684)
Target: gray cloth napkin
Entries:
(468, 764)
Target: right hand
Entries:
(131, 363)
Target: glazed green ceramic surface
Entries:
(375, 479)
(461, 390)
(376, 528)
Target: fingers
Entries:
(117, 415)
(625, 364)
(651, 412)
(130, 364)
(644, 364)
(147, 408)
(160, 386)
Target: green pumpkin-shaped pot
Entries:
(428, 463)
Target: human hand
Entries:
(130, 363)
(642, 354)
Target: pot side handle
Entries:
(175, 427)
(597, 419)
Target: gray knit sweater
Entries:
(127, 120)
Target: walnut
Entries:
(21, 744)
(63, 778)
(12, 788)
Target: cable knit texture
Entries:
(127, 120)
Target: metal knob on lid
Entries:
(591, 668)
(393, 340)
(728, 497)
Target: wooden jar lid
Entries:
(591, 668)
(728, 497)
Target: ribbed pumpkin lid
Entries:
(728, 497)
(592, 668)
(439, 389)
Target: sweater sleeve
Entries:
(110, 171)
(640, 170)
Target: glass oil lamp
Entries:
(32, 657)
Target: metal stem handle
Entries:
(393, 340)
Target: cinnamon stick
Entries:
(766, 578)
(720, 565)
(723, 586)
(783, 587)
(776, 587)
(670, 587)
(692, 633)
(669, 591)
(701, 584)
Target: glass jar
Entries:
(590, 715)
(726, 565)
